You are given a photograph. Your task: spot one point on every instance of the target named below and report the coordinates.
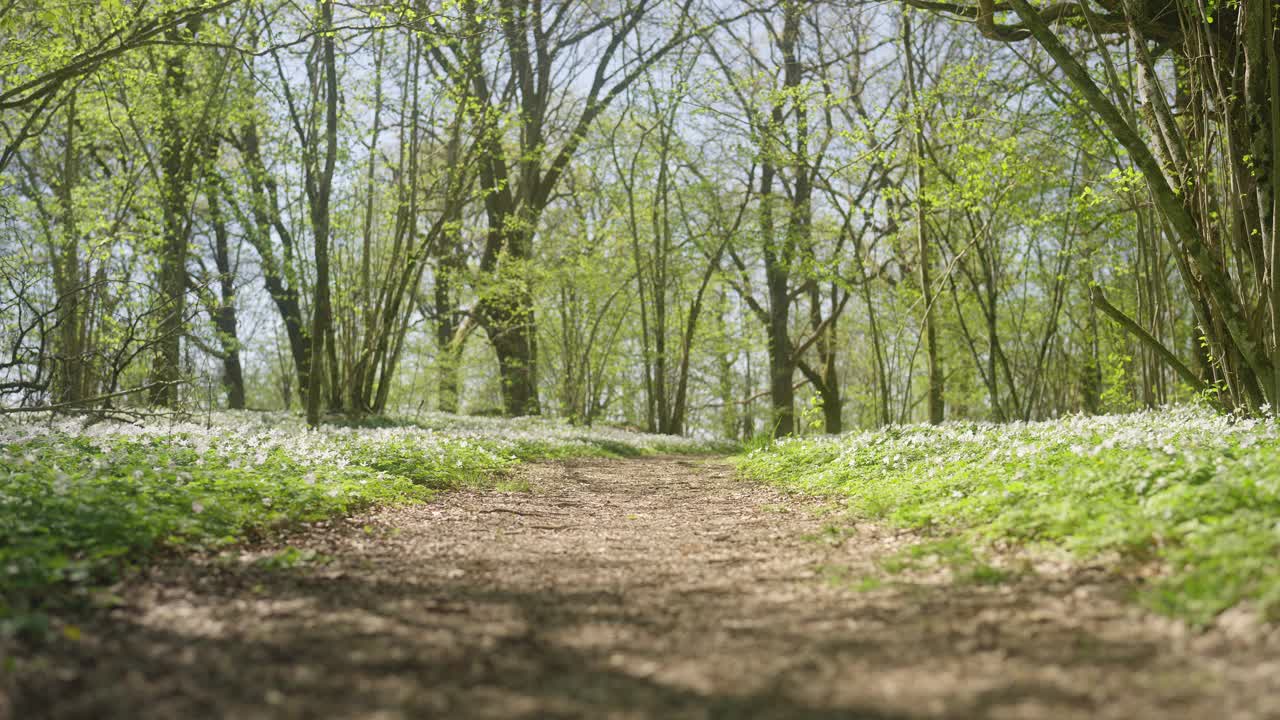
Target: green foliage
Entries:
(1197, 492)
(74, 512)
(1117, 396)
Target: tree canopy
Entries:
(761, 217)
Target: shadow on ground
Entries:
(348, 648)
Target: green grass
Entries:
(1196, 492)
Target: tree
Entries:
(1207, 90)
(180, 151)
(60, 47)
(319, 186)
(514, 59)
(678, 226)
(923, 246)
(789, 166)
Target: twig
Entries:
(516, 512)
(85, 402)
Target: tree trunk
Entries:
(225, 316)
(278, 276)
(832, 402)
(320, 190)
(511, 331)
(447, 351)
(923, 248)
(171, 281)
(782, 368)
(782, 396)
(69, 382)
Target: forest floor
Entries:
(647, 588)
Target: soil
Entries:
(653, 588)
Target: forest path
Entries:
(653, 588)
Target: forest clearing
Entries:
(639, 358)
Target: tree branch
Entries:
(1129, 324)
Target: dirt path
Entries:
(656, 588)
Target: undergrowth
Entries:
(1195, 491)
(80, 505)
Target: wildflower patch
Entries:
(78, 505)
(1195, 491)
